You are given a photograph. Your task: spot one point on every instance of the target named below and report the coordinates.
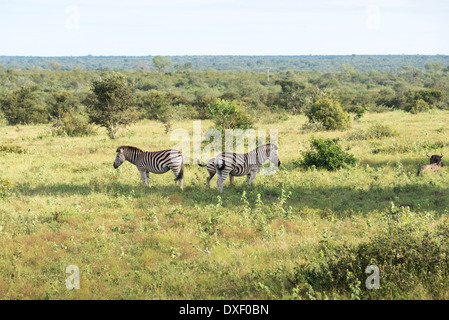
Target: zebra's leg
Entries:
(180, 182)
(178, 172)
(221, 177)
(143, 175)
(148, 179)
(211, 175)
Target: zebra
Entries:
(155, 161)
(210, 166)
(240, 164)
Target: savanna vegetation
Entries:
(344, 198)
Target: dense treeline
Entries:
(315, 63)
(49, 96)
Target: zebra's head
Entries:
(120, 158)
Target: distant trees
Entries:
(112, 105)
(54, 65)
(433, 66)
(161, 63)
(40, 95)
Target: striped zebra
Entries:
(210, 166)
(240, 164)
(156, 162)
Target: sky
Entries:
(223, 27)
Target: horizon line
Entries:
(232, 55)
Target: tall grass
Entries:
(298, 234)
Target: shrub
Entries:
(201, 104)
(3, 120)
(379, 131)
(24, 106)
(5, 187)
(358, 111)
(376, 131)
(418, 106)
(229, 115)
(73, 125)
(327, 154)
(408, 254)
(10, 148)
(330, 114)
(154, 104)
(157, 105)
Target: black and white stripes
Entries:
(240, 164)
(156, 162)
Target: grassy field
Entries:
(298, 234)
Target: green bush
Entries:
(154, 104)
(358, 111)
(5, 187)
(379, 131)
(330, 114)
(408, 253)
(229, 114)
(3, 120)
(10, 148)
(375, 131)
(418, 106)
(326, 154)
(24, 106)
(73, 125)
(201, 104)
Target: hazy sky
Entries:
(223, 27)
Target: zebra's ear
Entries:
(119, 149)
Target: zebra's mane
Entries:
(131, 148)
(267, 146)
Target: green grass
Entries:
(62, 203)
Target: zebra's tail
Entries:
(201, 165)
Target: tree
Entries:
(112, 105)
(293, 96)
(24, 106)
(433, 66)
(161, 63)
(55, 66)
(61, 103)
(229, 115)
(157, 105)
(330, 114)
(68, 115)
